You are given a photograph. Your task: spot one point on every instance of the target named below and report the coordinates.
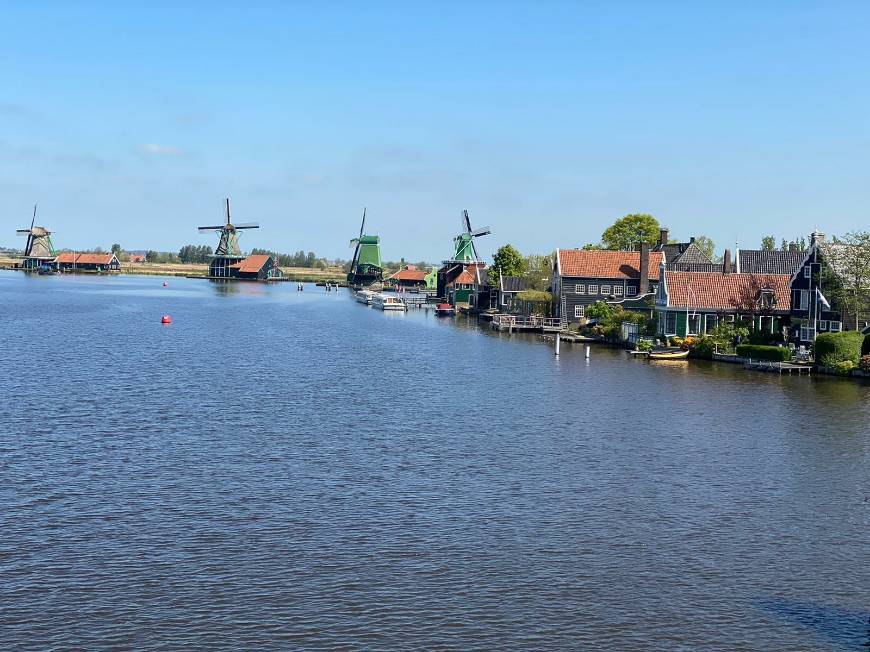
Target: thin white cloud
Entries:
(153, 149)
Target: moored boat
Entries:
(365, 296)
(383, 301)
(668, 354)
(445, 310)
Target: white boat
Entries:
(365, 296)
(388, 302)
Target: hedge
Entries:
(865, 347)
(759, 352)
(831, 348)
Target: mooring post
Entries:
(557, 344)
(587, 350)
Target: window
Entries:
(804, 300)
(671, 323)
(605, 290)
(617, 290)
(631, 290)
(593, 289)
(694, 324)
(808, 271)
(823, 325)
(710, 323)
(578, 311)
(807, 334)
(580, 288)
(835, 326)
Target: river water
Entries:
(285, 470)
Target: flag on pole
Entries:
(823, 299)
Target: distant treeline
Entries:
(194, 253)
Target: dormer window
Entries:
(767, 299)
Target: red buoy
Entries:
(166, 319)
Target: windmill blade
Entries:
(246, 225)
(33, 221)
(23, 231)
(481, 231)
(212, 228)
(228, 210)
(474, 249)
(467, 221)
(363, 225)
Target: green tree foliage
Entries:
(848, 273)
(507, 262)
(592, 247)
(539, 272)
(707, 246)
(299, 259)
(195, 253)
(768, 243)
(628, 232)
(151, 256)
(600, 310)
(116, 249)
(761, 352)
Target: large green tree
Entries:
(768, 243)
(707, 246)
(628, 232)
(507, 262)
(849, 273)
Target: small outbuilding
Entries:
(73, 262)
(259, 267)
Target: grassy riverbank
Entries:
(308, 274)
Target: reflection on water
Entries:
(335, 477)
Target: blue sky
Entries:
(129, 122)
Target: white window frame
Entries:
(605, 290)
(804, 300)
(617, 290)
(833, 328)
(592, 289)
(579, 311)
(579, 288)
(823, 324)
(689, 318)
(808, 272)
(707, 318)
(808, 334)
(631, 291)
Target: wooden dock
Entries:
(778, 367)
(514, 323)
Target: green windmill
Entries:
(366, 267)
(465, 252)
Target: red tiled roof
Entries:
(251, 264)
(724, 291)
(467, 276)
(409, 274)
(607, 264)
(84, 259)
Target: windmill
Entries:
(365, 267)
(39, 250)
(228, 251)
(464, 250)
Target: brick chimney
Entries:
(643, 284)
(726, 262)
(817, 237)
(663, 237)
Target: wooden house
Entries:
(694, 303)
(73, 262)
(582, 277)
(258, 267)
(509, 288)
(683, 256)
(409, 278)
(814, 305)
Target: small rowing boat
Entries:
(668, 354)
(445, 310)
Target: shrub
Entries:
(704, 348)
(831, 348)
(646, 345)
(865, 345)
(844, 368)
(864, 364)
(758, 352)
